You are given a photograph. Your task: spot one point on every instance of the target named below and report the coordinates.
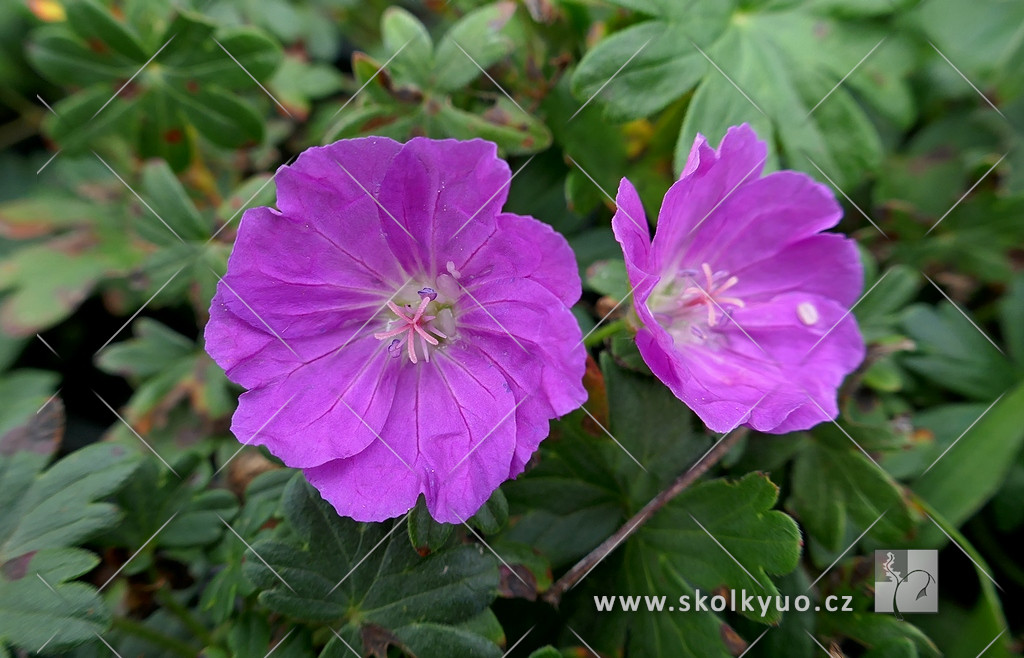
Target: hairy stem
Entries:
(591, 560)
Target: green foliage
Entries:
(750, 65)
(119, 208)
(415, 93)
(177, 80)
(368, 584)
(46, 514)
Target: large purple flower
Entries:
(399, 335)
(743, 302)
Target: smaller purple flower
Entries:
(743, 303)
(398, 334)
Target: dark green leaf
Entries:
(366, 576)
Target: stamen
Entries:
(412, 324)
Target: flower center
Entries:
(688, 304)
(414, 331)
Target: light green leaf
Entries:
(475, 42)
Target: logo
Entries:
(906, 581)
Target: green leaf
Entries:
(750, 65)
(25, 424)
(65, 60)
(503, 123)
(977, 463)
(834, 485)
(672, 553)
(46, 281)
(55, 508)
(165, 510)
(1011, 316)
(95, 24)
(82, 120)
(426, 534)
(163, 131)
(219, 116)
(154, 350)
(608, 277)
(657, 73)
(475, 42)
(954, 354)
(164, 191)
(47, 512)
(493, 516)
(367, 577)
(404, 34)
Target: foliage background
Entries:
(136, 131)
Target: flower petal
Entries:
(330, 190)
(374, 485)
(709, 177)
(524, 248)
(323, 410)
(827, 265)
(440, 199)
(760, 218)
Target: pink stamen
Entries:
(413, 325)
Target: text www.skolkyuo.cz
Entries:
(736, 601)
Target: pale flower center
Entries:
(689, 304)
(420, 330)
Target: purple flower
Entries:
(743, 302)
(399, 335)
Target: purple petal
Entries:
(709, 177)
(760, 218)
(524, 248)
(374, 485)
(330, 190)
(323, 410)
(440, 199)
(827, 265)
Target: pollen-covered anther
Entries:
(414, 325)
(711, 295)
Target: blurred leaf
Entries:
(332, 569)
(297, 83)
(25, 425)
(503, 123)
(262, 500)
(164, 191)
(167, 368)
(404, 34)
(475, 42)
(165, 510)
(954, 354)
(608, 277)
(973, 469)
(152, 91)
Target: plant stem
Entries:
(139, 630)
(599, 334)
(591, 560)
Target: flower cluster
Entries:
(399, 335)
